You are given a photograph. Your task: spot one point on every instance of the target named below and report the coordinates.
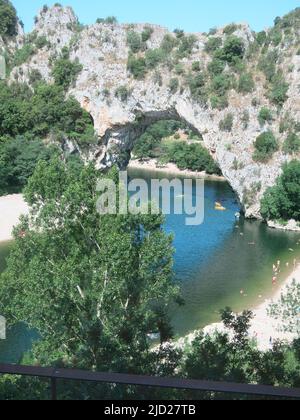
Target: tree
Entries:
(234, 49)
(18, 159)
(283, 200)
(8, 19)
(94, 286)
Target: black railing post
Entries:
(53, 389)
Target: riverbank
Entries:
(11, 208)
(170, 169)
(263, 327)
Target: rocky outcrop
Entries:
(103, 51)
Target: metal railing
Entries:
(55, 375)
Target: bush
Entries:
(137, 67)
(221, 84)
(283, 200)
(246, 83)
(186, 46)
(149, 144)
(213, 44)
(230, 29)
(154, 57)
(265, 115)
(227, 123)
(216, 67)
(23, 54)
(267, 64)
(261, 38)
(174, 85)
(292, 144)
(169, 43)
(8, 19)
(278, 90)
(64, 71)
(196, 66)
(234, 49)
(219, 102)
(146, 34)
(122, 93)
(266, 145)
(134, 41)
(197, 86)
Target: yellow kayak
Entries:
(219, 207)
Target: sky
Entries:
(190, 15)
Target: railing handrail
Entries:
(148, 381)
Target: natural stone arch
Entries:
(119, 141)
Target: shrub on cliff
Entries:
(292, 144)
(265, 146)
(283, 200)
(65, 71)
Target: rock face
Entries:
(103, 51)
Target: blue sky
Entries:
(190, 15)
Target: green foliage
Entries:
(233, 50)
(230, 29)
(292, 144)
(123, 93)
(174, 85)
(213, 44)
(169, 43)
(219, 102)
(23, 54)
(283, 200)
(186, 46)
(227, 123)
(29, 116)
(94, 286)
(148, 145)
(134, 41)
(261, 38)
(191, 156)
(267, 64)
(137, 67)
(246, 83)
(265, 115)
(18, 159)
(197, 86)
(8, 19)
(154, 58)
(278, 90)
(196, 66)
(220, 84)
(110, 20)
(146, 34)
(266, 145)
(216, 67)
(64, 71)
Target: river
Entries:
(214, 262)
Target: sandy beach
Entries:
(171, 169)
(263, 327)
(11, 208)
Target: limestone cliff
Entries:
(103, 51)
